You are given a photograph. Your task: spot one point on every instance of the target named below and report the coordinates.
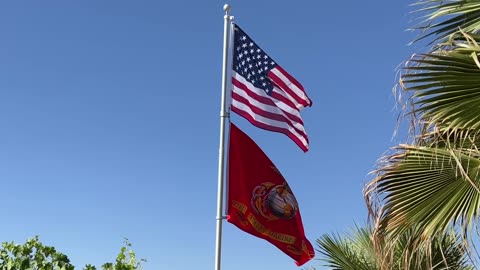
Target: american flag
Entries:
(264, 93)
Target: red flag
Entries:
(260, 202)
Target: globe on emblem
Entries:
(281, 202)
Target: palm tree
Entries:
(433, 183)
(357, 251)
(350, 251)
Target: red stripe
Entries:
(258, 110)
(287, 117)
(281, 84)
(294, 81)
(271, 128)
(269, 115)
(283, 99)
(266, 100)
(290, 104)
(251, 93)
(290, 78)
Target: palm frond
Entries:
(445, 86)
(427, 194)
(356, 250)
(428, 187)
(350, 252)
(443, 19)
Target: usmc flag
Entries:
(260, 202)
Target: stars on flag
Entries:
(252, 63)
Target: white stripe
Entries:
(268, 121)
(285, 107)
(267, 108)
(280, 104)
(299, 92)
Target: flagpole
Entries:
(221, 151)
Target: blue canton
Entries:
(251, 62)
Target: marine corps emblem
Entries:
(274, 202)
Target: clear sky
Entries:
(109, 121)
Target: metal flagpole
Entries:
(221, 155)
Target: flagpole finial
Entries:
(226, 8)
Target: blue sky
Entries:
(109, 116)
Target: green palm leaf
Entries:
(356, 251)
(445, 86)
(445, 18)
(433, 185)
(429, 188)
(352, 252)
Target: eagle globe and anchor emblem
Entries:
(273, 201)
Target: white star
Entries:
(250, 66)
(258, 50)
(251, 51)
(264, 84)
(251, 44)
(244, 45)
(240, 55)
(244, 37)
(265, 56)
(243, 62)
(248, 59)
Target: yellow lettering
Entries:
(239, 206)
(256, 224)
(284, 238)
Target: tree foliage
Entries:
(424, 201)
(357, 251)
(33, 255)
(432, 184)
